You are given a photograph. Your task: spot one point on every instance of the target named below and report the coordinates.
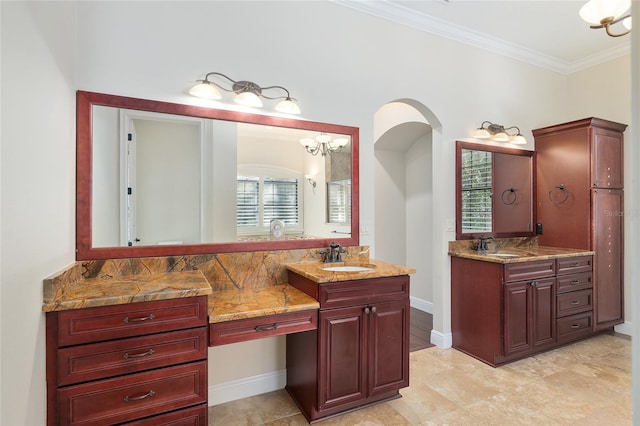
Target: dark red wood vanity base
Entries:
(359, 355)
(504, 312)
(144, 363)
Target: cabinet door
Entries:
(517, 325)
(342, 356)
(607, 265)
(606, 162)
(543, 302)
(388, 347)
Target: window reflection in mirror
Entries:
(494, 191)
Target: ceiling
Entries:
(549, 34)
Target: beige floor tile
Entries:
(585, 383)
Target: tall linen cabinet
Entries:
(580, 203)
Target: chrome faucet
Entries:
(334, 254)
(483, 244)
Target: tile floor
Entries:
(586, 383)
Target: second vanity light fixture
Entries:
(247, 93)
(605, 13)
(498, 133)
(323, 144)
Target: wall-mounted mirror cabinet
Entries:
(164, 179)
(494, 191)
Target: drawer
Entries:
(221, 333)
(134, 396)
(134, 319)
(194, 416)
(573, 327)
(524, 271)
(573, 302)
(571, 265)
(107, 359)
(574, 282)
(359, 292)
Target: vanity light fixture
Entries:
(605, 13)
(323, 144)
(498, 133)
(247, 93)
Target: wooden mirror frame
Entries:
(460, 145)
(84, 179)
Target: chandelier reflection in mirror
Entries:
(323, 144)
(606, 13)
(498, 133)
(247, 93)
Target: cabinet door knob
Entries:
(367, 310)
(373, 309)
(534, 283)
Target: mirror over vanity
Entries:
(494, 191)
(163, 179)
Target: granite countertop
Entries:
(314, 271)
(527, 254)
(87, 293)
(257, 302)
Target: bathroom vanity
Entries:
(127, 350)
(359, 354)
(511, 303)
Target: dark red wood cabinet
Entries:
(579, 172)
(359, 354)
(503, 312)
(140, 363)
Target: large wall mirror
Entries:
(165, 179)
(494, 191)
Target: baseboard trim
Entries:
(624, 328)
(441, 340)
(421, 305)
(249, 386)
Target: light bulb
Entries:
(205, 90)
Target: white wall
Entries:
(156, 51)
(38, 195)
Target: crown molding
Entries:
(423, 22)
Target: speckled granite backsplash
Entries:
(224, 271)
(522, 243)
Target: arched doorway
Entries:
(408, 221)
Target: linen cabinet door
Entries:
(607, 240)
(342, 356)
(388, 347)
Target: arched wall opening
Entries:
(407, 217)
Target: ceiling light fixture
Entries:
(247, 93)
(323, 144)
(498, 133)
(605, 13)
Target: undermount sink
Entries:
(347, 268)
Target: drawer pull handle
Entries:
(148, 317)
(575, 325)
(574, 264)
(127, 355)
(273, 326)
(575, 282)
(575, 302)
(138, 398)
